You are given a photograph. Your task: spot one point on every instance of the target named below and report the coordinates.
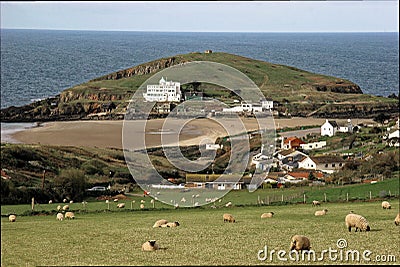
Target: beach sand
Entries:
(108, 134)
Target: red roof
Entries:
(293, 141)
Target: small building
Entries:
(267, 104)
(213, 146)
(244, 107)
(164, 91)
(330, 128)
(327, 164)
(313, 145)
(208, 51)
(291, 142)
(217, 181)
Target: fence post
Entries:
(390, 194)
(370, 195)
(325, 196)
(282, 197)
(267, 200)
(347, 197)
(304, 198)
(33, 203)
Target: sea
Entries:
(37, 64)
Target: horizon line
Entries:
(174, 31)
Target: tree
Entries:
(381, 117)
(71, 183)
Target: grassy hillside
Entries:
(299, 92)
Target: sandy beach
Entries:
(108, 134)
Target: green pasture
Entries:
(115, 238)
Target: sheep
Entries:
(60, 216)
(59, 207)
(65, 200)
(397, 219)
(121, 205)
(316, 203)
(170, 224)
(386, 205)
(300, 242)
(116, 200)
(357, 221)
(159, 223)
(12, 218)
(150, 246)
(71, 201)
(66, 207)
(50, 201)
(142, 201)
(183, 200)
(267, 215)
(141, 206)
(228, 218)
(321, 212)
(228, 204)
(69, 215)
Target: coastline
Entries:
(108, 133)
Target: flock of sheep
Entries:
(297, 242)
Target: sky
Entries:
(212, 16)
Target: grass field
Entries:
(114, 238)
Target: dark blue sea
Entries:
(36, 64)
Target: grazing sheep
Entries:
(228, 218)
(60, 216)
(141, 206)
(142, 201)
(386, 205)
(316, 203)
(228, 204)
(159, 223)
(12, 218)
(116, 200)
(183, 200)
(300, 242)
(170, 224)
(50, 201)
(69, 215)
(321, 212)
(59, 207)
(397, 219)
(66, 207)
(150, 246)
(121, 205)
(71, 201)
(357, 221)
(267, 215)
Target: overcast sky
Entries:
(214, 16)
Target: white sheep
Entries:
(170, 224)
(228, 217)
(142, 201)
(386, 205)
(121, 205)
(71, 201)
(65, 200)
(357, 221)
(66, 207)
(59, 207)
(267, 215)
(141, 206)
(69, 215)
(150, 246)
(12, 218)
(159, 223)
(229, 204)
(397, 219)
(183, 199)
(50, 201)
(116, 200)
(321, 212)
(60, 216)
(316, 203)
(300, 242)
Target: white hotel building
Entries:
(165, 91)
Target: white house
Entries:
(327, 164)
(313, 145)
(267, 104)
(213, 146)
(164, 91)
(244, 107)
(394, 134)
(329, 128)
